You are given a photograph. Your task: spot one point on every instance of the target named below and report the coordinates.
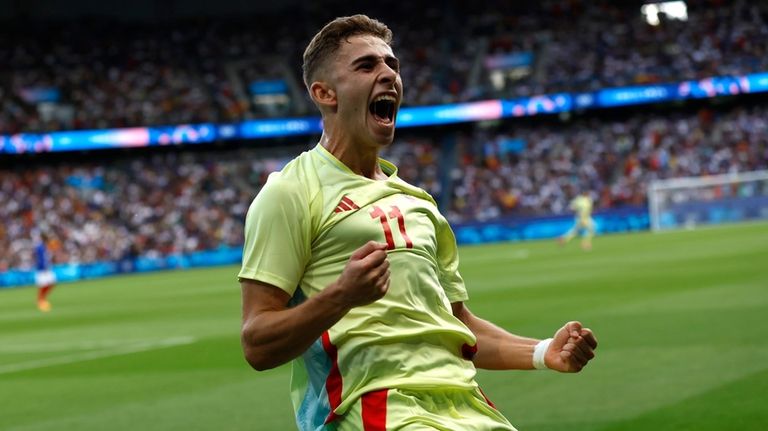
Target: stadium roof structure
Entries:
(163, 10)
(136, 10)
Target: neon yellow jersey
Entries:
(582, 205)
(299, 234)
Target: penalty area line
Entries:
(70, 346)
(516, 254)
(81, 357)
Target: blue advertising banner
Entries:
(407, 117)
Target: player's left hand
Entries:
(571, 348)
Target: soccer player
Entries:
(45, 279)
(353, 274)
(582, 206)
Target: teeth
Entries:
(385, 97)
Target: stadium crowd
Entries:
(154, 206)
(162, 203)
(614, 159)
(103, 74)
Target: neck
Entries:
(362, 160)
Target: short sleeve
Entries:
(277, 235)
(448, 262)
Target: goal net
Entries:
(689, 202)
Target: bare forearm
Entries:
(500, 350)
(497, 349)
(273, 334)
(568, 351)
(272, 338)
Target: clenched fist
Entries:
(365, 278)
(571, 348)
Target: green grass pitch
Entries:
(681, 318)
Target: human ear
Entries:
(323, 94)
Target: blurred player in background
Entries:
(45, 279)
(353, 273)
(582, 206)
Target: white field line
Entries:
(80, 357)
(63, 346)
(518, 254)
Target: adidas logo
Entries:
(345, 204)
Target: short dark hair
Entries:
(328, 40)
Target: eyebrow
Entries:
(374, 58)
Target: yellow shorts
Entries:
(422, 410)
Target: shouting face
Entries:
(368, 90)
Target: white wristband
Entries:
(538, 354)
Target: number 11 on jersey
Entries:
(395, 213)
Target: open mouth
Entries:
(383, 109)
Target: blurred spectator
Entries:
(615, 159)
(85, 75)
(177, 202)
(99, 74)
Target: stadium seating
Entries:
(154, 203)
(185, 201)
(97, 74)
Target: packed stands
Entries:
(105, 74)
(157, 203)
(94, 74)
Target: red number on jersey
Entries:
(377, 212)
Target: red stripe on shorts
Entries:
(333, 382)
(375, 410)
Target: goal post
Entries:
(692, 201)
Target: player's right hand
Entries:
(365, 278)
